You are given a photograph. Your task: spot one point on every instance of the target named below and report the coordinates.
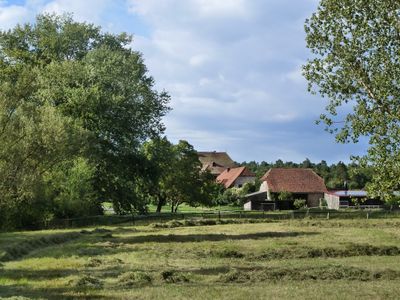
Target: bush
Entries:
(300, 203)
(70, 185)
(285, 196)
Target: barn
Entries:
(301, 183)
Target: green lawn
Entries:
(183, 208)
(302, 259)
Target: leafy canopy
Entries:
(356, 65)
(74, 102)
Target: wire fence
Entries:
(104, 220)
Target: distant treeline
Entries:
(335, 175)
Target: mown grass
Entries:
(302, 259)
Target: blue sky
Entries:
(232, 67)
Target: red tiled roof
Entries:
(228, 177)
(294, 181)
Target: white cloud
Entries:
(83, 10)
(232, 67)
(12, 15)
(211, 8)
(93, 11)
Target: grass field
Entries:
(183, 208)
(302, 259)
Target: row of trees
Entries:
(336, 176)
(77, 110)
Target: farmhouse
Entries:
(301, 183)
(236, 177)
(215, 162)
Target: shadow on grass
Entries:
(46, 293)
(17, 274)
(190, 238)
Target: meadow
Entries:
(206, 259)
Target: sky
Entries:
(232, 68)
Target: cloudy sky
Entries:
(232, 68)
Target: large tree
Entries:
(174, 175)
(356, 65)
(70, 92)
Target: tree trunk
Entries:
(160, 204)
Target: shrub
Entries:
(285, 196)
(299, 203)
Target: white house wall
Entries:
(332, 201)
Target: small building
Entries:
(258, 201)
(215, 162)
(236, 177)
(351, 199)
(301, 183)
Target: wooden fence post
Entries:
(219, 215)
(327, 216)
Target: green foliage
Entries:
(355, 62)
(300, 203)
(235, 196)
(74, 103)
(285, 196)
(72, 186)
(174, 175)
(231, 196)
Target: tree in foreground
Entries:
(356, 65)
(74, 101)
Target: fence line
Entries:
(103, 220)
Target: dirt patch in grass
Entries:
(329, 272)
(21, 249)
